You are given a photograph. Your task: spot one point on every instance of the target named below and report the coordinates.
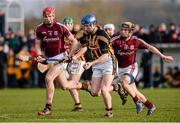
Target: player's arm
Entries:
(154, 50)
(101, 59)
(38, 42)
(74, 45)
(38, 47)
(79, 53)
(39, 52)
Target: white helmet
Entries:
(109, 26)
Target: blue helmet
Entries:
(88, 19)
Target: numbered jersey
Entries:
(52, 38)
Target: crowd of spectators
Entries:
(14, 73)
(160, 34)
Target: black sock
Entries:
(108, 109)
(48, 106)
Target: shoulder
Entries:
(38, 27)
(139, 40)
(136, 38)
(101, 34)
(61, 25)
(63, 28)
(115, 38)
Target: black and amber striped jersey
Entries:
(98, 43)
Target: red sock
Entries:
(148, 104)
(135, 99)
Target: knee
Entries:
(104, 90)
(48, 78)
(125, 84)
(95, 93)
(65, 87)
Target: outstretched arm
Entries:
(154, 50)
(75, 45)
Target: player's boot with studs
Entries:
(45, 111)
(139, 106)
(151, 110)
(108, 113)
(121, 91)
(78, 107)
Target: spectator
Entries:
(142, 34)
(11, 69)
(2, 23)
(176, 77)
(146, 64)
(172, 30)
(110, 29)
(151, 37)
(173, 38)
(136, 30)
(3, 64)
(14, 43)
(168, 77)
(76, 29)
(34, 71)
(161, 35)
(25, 69)
(156, 77)
(31, 39)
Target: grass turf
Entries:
(23, 104)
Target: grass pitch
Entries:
(23, 104)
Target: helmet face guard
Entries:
(128, 25)
(88, 20)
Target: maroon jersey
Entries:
(125, 50)
(52, 38)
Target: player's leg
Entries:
(105, 87)
(128, 75)
(75, 95)
(96, 86)
(64, 83)
(52, 73)
(75, 70)
(127, 84)
(150, 106)
(118, 87)
(125, 81)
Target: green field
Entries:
(23, 104)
